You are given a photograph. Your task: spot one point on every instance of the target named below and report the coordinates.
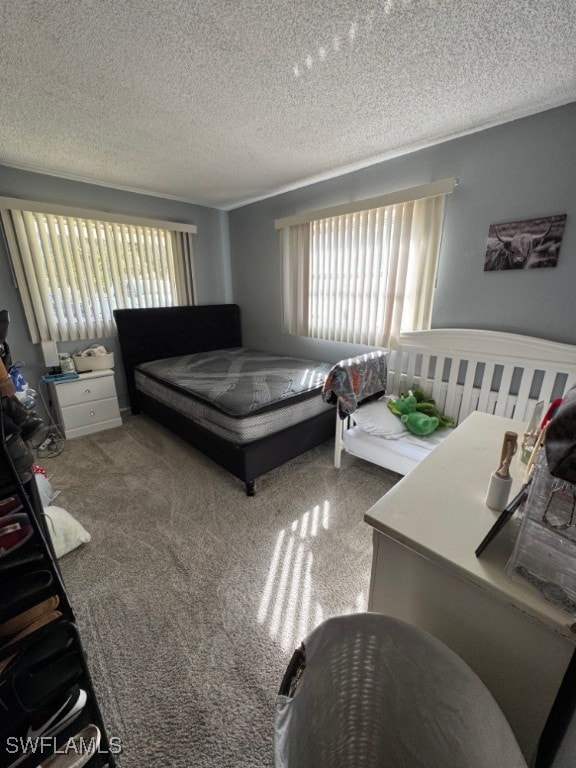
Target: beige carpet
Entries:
(191, 596)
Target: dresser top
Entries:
(438, 510)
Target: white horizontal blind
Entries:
(73, 272)
(372, 272)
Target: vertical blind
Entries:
(72, 272)
(365, 276)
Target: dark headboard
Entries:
(151, 334)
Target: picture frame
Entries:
(504, 517)
(525, 244)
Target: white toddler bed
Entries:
(463, 371)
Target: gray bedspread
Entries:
(241, 381)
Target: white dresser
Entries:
(87, 404)
(424, 571)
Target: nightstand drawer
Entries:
(83, 391)
(90, 414)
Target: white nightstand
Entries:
(87, 404)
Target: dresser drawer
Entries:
(82, 391)
(90, 415)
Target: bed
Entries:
(282, 418)
(463, 370)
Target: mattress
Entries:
(238, 394)
(410, 446)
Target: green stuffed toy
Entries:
(404, 405)
(420, 423)
(419, 413)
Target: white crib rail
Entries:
(468, 370)
(472, 370)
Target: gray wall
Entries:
(211, 253)
(520, 170)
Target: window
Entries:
(363, 273)
(73, 271)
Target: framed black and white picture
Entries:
(527, 244)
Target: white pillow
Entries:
(66, 532)
(376, 418)
(45, 490)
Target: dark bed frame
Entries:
(151, 334)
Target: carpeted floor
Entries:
(191, 596)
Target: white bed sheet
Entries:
(399, 455)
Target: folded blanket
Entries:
(351, 381)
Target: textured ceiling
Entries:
(220, 102)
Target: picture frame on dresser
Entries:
(504, 517)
